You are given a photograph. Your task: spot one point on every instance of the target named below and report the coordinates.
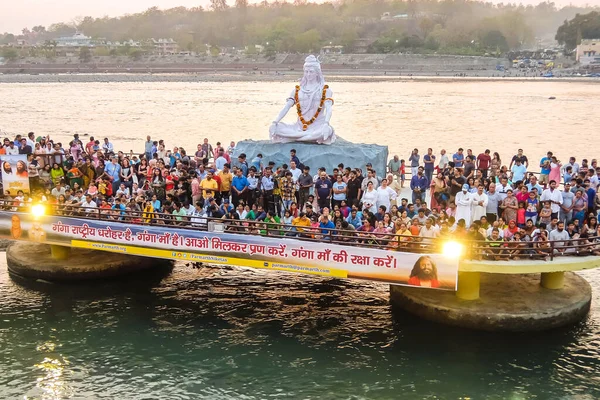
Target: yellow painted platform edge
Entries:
(559, 264)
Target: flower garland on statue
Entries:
(306, 123)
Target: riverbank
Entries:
(340, 67)
(267, 76)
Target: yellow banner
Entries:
(205, 258)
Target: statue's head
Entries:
(312, 71)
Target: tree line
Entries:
(447, 26)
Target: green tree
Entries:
(308, 41)
(9, 53)
(61, 29)
(586, 26)
(49, 48)
(493, 40)
(218, 5)
(136, 54)
(431, 43)
(85, 55)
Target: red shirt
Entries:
(218, 179)
(484, 160)
(415, 281)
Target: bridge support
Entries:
(60, 252)
(500, 302)
(553, 280)
(468, 285)
(61, 263)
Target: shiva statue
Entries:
(313, 101)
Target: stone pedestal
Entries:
(505, 303)
(353, 155)
(37, 261)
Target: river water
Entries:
(501, 116)
(233, 333)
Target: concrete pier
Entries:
(58, 263)
(503, 302)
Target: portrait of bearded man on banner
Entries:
(424, 273)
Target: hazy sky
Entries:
(17, 14)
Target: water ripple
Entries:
(238, 333)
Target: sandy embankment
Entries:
(281, 67)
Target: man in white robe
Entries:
(463, 202)
(479, 206)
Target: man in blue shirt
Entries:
(429, 160)
(323, 189)
(591, 195)
(113, 170)
(419, 185)
(326, 226)
(239, 188)
(243, 164)
(295, 159)
(545, 169)
(354, 219)
(518, 171)
(533, 183)
(257, 163)
(458, 158)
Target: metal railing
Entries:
(473, 249)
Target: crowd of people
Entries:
(510, 210)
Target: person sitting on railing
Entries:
(337, 216)
(213, 209)
(327, 227)
(272, 221)
(89, 205)
(404, 236)
(233, 223)
(345, 232)
(148, 212)
(380, 234)
(560, 237)
(226, 207)
(198, 216)
(494, 246)
(517, 246)
(301, 224)
(364, 232)
(541, 244)
(355, 218)
(510, 230)
(415, 229)
(259, 214)
(590, 227)
(595, 242)
(241, 211)
(120, 206)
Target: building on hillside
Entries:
(397, 17)
(332, 50)
(588, 52)
(165, 46)
(77, 40)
